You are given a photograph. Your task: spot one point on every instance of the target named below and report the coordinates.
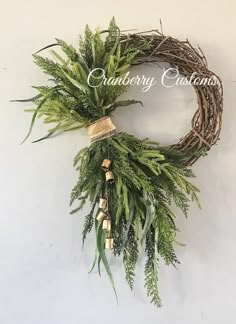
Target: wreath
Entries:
(130, 183)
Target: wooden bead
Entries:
(106, 164)
(106, 225)
(100, 216)
(110, 177)
(109, 243)
(102, 203)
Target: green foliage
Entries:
(71, 102)
(151, 274)
(113, 35)
(102, 255)
(130, 257)
(146, 185)
(148, 178)
(69, 50)
(89, 219)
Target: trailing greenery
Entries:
(148, 178)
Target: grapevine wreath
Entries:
(129, 182)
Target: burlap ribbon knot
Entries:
(100, 129)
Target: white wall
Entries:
(43, 274)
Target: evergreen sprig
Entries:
(130, 257)
(151, 273)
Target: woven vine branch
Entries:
(207, 120)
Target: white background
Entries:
(43, 273)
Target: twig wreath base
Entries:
(130, 183)
(207, 120)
